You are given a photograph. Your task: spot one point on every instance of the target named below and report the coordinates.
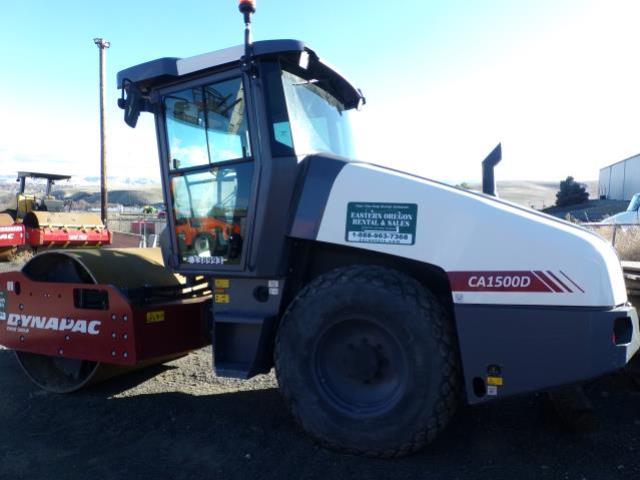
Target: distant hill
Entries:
(128, 191)
(542, 196)
(91, 197)
(538, 195)
(128, 198)
(592, 211)
(113, 181)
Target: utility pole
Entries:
(104, 194)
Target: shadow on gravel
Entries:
(126, 381)
(250, 435)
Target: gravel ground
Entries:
(178, 421)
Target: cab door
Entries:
(209, 173)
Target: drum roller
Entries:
(6, 252)
(126, 269)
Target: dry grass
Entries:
(626, 241)
(21, 257)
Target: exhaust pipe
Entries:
(488, 179)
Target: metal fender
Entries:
(493, 251)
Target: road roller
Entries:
(383, 299)
(75, 317)
(12, 236)
(42, 222)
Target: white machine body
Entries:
(494, 252)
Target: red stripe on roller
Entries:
(543, 276)
(574, 283)
(559, 281)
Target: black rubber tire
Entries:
(403, 309)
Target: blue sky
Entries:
(558, 82)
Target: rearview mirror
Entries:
(132, 102)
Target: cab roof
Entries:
(168, 69)
(48, 176)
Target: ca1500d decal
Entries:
(390, 223)
(516, 281)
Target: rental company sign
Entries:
(389, 223)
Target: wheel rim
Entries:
(360, 368)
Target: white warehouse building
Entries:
(621, 180)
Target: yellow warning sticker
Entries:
(221, 283)
(155, 316)
(494, 381)
(221, 298)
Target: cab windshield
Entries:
(318, 121)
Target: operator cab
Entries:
(28, 200)
(234, 130)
